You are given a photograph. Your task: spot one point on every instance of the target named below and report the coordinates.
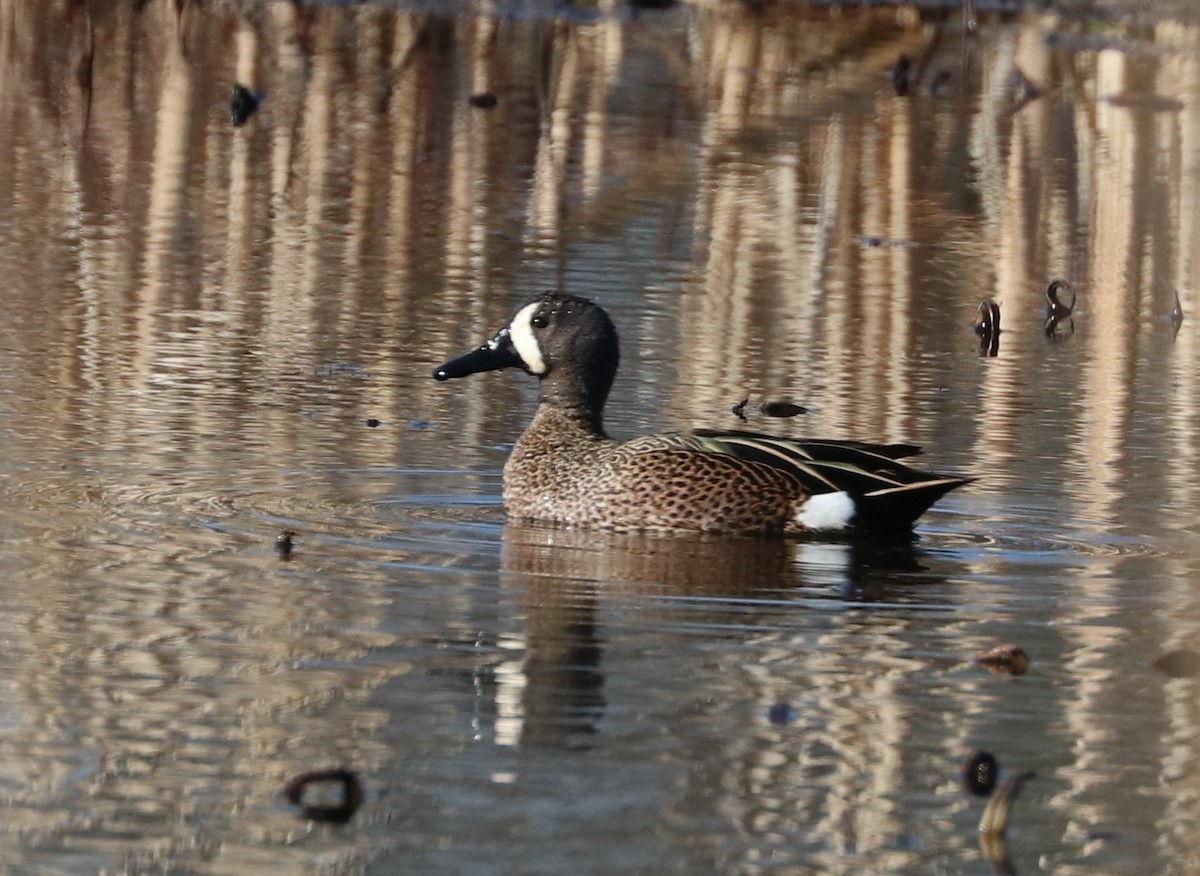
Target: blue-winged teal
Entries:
(565, 469)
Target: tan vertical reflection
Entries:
(405, 116)
(168, 185)
(608, 35)
(553, 149)
(241, 209)
(1179, 618)
(467, 225)
(898, 292)
(1106, 383)
(1018, 221)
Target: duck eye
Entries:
(539, 321)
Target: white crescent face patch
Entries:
(521, 333)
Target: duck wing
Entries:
(887, 493)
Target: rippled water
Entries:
(213, 334)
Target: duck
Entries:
(566, 470)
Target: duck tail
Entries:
(897, 508)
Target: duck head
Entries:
(567, 342)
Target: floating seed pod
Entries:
(1005, 659)
(326, 795)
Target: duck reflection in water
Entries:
(556, 697)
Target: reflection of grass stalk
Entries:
(994, 821)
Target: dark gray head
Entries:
(567, 342)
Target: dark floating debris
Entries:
(1056, 310)
(900, 76)
(284, 544)
(332, 796)
(1178, 663)
(780, 409)
(243, 103)
(1004, 659)
(1176, 314)
(484, 100)
(988, 328)
(739, 410)
(979, 773)
(652, 4)
(781, 713)
(372, 423)
(868, 240)
(1055, 307)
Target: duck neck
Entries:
(574, 401)
(573, 415)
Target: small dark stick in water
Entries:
(989, 319)
(994, 821)
(995, 814)
(1054, 307)
(900, 75)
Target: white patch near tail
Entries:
(826, 511)
(520, 332)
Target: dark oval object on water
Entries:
(1006, 659)
(979, 773)
(781, 713)
(298, 794)
(1178, 663)
(243, 103)
(485, 100)
(781, 409)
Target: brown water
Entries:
(202, 322)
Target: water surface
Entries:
(212, 334)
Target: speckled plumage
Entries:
(565, 469)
